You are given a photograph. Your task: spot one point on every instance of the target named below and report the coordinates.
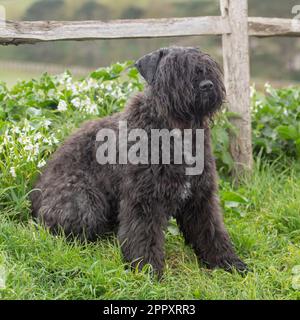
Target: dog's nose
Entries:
(206, 85)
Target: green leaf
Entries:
(231, 196)
(227, 158)
(288, 132)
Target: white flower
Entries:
(16, 130)
(13, 172)
(87, 102)
(65, 77)
(41, 163)
(62, 105)
(92, 108)
(47, 123)
(76, 102)
(37, 136)
(91, 83)
(74, 89)
(51, 93)
(36, 149)
(54, 140)
(267, 86)
(29, 147)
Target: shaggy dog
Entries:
(87, 200)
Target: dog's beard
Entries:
(205, 106)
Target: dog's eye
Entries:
(199, 70)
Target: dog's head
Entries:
(187, 82)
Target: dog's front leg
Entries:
(201, 223)
(141, 226)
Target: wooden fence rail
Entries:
(30, 32)
(233, 25)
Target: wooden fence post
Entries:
(237, 81)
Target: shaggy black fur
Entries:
(88, 200)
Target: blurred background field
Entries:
(276, 60)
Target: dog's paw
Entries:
(237, 265)
(229, 263)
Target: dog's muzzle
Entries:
(206, 85)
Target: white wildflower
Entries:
(267, 86)
(37, 136)
(16, 130)
(54, 140)
(76, 102)
(74, 89)
(13, 172)
(91, 83)
(36, 149)
(41, 163)
(29, 147)
(92, 108)
(51, 94)
(27, 127)
(65, 77)
(87, 101)
(114, 94)
(62, 105)
(47, 123)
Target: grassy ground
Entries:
(40, 266)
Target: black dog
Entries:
(85, 199)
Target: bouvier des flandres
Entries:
(85, 199)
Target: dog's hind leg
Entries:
(78, 212)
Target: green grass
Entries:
(41, 266)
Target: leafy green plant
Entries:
(53, 105)
(221, 132)
(35, 116)
(276, 122)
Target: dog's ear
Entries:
(147, 65)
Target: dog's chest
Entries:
(185, 191)
(173, 188)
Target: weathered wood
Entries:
(237, 81)
(15, 32)
(268, 27)
(20, 32)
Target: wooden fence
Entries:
(233, 25)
